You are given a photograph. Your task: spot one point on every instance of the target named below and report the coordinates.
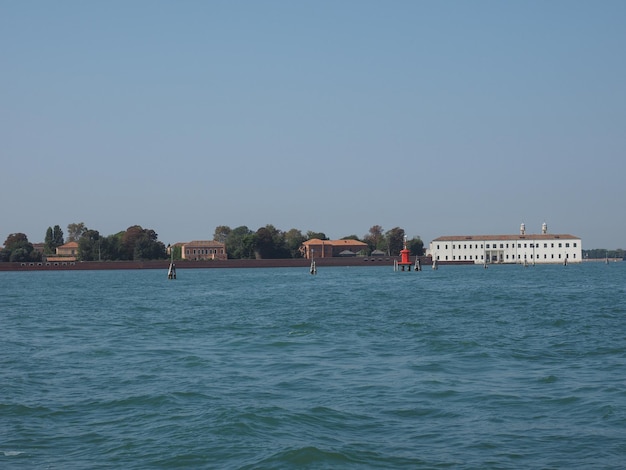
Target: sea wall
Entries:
(231, 263)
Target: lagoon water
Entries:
(462, 367)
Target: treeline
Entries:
(271, 243)
(134, 243)
(137, 243)
(601, 253)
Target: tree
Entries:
(221, 233)
(375, 239)
(138, 243)
(54, 239)
(395, 240)
(147, 248)
(89, 246)
(48, 243)
(319, 235)
(75, 231)
(293, 242)
(270, 243)
(17, 248)
(111, 247)
(416, 245)
(241, 243)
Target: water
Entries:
(462, 367)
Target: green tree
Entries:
(54, 239)
(416, 245)
(221, 233)
(17, 248)
(293, 241)
(47, 242)
(310, 235)
(176, 252)
(89, 248)
(138, 243)
(75, 231)
(375, 239)
(270, 243)
(395, 240)
(241, 243)
(111, 248)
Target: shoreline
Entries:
(224, 264)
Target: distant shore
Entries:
(231, 263)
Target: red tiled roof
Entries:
(347, 242)
(530, 236)
(69, 245)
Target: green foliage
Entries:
(319, 235)
(293, 242)
(138, 243)
(241, 243)
(270, 243)
(221, 233)
(375, 239)
(75, 231)
(54, 239)
(602, 253)
(89, 246)
(416, 245)
(17, 248)
(395, 240)
(176, 252)
(48, 248)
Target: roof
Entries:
(347, 242)
(204, 243)
(538, 236)
(347, 253)
(69, 245)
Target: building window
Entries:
(560, 245)
(567, 245)
(437, 246)
(545, 245)
(487, 245)
(574, 245)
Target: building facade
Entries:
(316, 248)
(541, 248)
(203, 250)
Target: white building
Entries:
(524, 248)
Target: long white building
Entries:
(542, 248)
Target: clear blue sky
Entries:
(443, 118)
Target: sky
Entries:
(442, 118)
